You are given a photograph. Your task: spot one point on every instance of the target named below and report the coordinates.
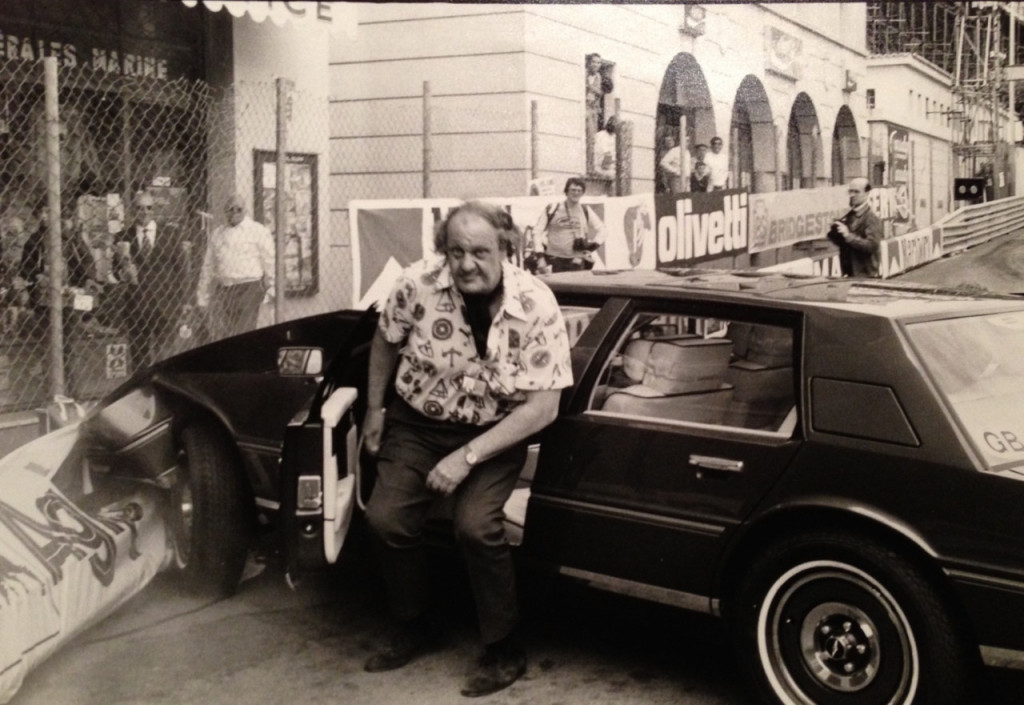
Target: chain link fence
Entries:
(109, 195)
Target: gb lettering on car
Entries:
(701, 227)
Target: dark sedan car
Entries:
(833, 466)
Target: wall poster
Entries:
(302, 241)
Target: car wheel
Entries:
(830, 618)
(209, 520)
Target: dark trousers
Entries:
(235, 309)
(398, 508)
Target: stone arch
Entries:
(805, 166)
(752, 151)
(684, 95)
(846, 157)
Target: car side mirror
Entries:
(300, 361)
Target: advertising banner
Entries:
(700, 227)
(388, 236)
(895, 213)
(784, 218)
(905, 252)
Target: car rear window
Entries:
(978, 365)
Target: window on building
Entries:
(599, 89)
(870, 96)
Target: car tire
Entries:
(830, 618)
(209, 522)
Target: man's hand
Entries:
(448, 473)
(373, 428)
(844, 231)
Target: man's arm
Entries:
(266, 246)
(383, 360)
(869, 239)
(539, 410)
(596, 227)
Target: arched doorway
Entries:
(752, 152)
(684, 109)
(846, 161)
(804, 162)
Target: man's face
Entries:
(702, 169)
(858, 193)
(716, 147)
(474, 254)
(701, 152)
(574, 193)
(143, 210)
(234, 211)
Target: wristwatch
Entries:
(471, 458)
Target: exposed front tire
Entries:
(828, 618)
(209, 518)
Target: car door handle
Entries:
(710, 462)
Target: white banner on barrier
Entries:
(906, 252)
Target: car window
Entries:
(977, 364)
(697, 370)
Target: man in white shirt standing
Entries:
(237, 273)
(718, 165)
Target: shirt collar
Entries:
(511, 302)
(862, 208)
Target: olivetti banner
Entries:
(700, 227)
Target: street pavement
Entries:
(269, 645)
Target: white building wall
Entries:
(262, 52)
(486, 63)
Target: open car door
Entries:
(319, 464)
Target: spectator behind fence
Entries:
(482, 355)
(604, 150)
(237, 273)
(700, 180)
(673, 165)
(718, 165)
(152, 268)
(568, 232)
(35, 267)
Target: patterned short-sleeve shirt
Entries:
(440, 373)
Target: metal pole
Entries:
(284, 109)
(54, 250)
(534, 141)
(617, 185)
(427, 146)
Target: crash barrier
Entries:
(975, 224)
(79, 144)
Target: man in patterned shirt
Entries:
(237, 273)
(482, 355)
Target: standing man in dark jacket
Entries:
(156, 269)
(858, 234)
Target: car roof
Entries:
(873, 297)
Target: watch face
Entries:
(471, 457)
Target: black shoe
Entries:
(500, 666)
(412, 639)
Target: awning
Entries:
(332, 16)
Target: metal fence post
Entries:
(55, 255)
(617, 182)
(534, 141)
(427, 140)
(284, 109)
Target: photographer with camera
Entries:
(858, 234)
(567, 233)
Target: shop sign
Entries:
(27, 45)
